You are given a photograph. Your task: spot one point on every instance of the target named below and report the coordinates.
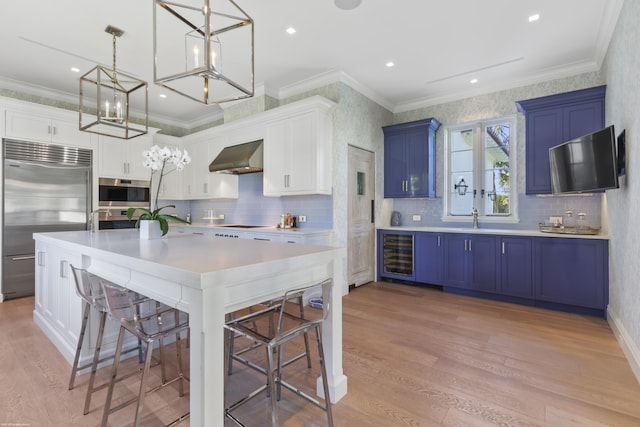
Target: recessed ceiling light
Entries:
(162, 95)
(347, 4)
(291, 30)
(75, 70)
(473, 81)
(534, 18)
(390, 64)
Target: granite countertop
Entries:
(493, 231)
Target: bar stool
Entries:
(271, 307)
(148, 329)
(89, 289)
(281, 336)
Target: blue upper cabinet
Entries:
(552, 120)
(410, 159)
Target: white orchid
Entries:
(156, 159)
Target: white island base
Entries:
(206, 276)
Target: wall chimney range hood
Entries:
(239, 159)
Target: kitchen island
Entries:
(206, 276)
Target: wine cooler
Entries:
(397, 254)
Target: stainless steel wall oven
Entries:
(115, 197)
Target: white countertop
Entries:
(261, 229)
(184, 257)
(501, 232)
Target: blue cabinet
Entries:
(410, 159)
(470, 262)
(570, 274)
(552, 120)
(428, 258)
(572, 271)
(516, 266)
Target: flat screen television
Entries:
(586, 164)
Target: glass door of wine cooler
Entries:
(397, 255)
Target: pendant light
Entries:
(202, 52)
(107, 98)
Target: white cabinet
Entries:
(297, 154)
(24, 125)
(120, 158)
(198, 182)
(56, 299)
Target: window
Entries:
(480, 172)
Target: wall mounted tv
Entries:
(586, 164)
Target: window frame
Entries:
(478, 150)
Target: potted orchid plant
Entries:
(161, 161)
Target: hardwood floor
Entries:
(413, 357)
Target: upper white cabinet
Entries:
(36, 127)
(198, 182)
(297, 152)
(122, 158)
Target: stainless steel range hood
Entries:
(239, 159)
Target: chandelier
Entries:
(201, 53)
(107, 97)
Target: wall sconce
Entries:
(461, 187)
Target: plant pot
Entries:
(150, 229)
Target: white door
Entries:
(361, 228)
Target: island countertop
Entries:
(203, 275)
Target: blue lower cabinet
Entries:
(470, 262)
(516, 266)
(570, 274)
(428, 258)
(572, 271)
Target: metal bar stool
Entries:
(89, 289)
(271, 306)
(148, 329)
(281, 336)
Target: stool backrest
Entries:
(290, 296)
(88, 287)
(119, 302)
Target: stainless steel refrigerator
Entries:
(46, 188)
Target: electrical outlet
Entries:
(555, 219)
(417, 218)
(302, 218)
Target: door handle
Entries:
(502, 248)
(372, 212)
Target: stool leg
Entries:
(143, 384)
(271, 386)
(306, 336)
(179, 356)
(74, 369)
(325, 382)
(112, 381)
(94, 364)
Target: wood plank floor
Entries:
(413, 357)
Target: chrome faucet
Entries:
(474, 212)
(92, 218)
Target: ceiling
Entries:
(437, 47)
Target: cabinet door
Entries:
(516, 272)
(571, 271)
(134, 159)
(394, 167)
(21, 125)
(112, 157)
(417, 173)
(428, 258)
(455, 260)
(67, 133)
(277, 144)
(483, 267)
(544, 130)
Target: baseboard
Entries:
(630, 348)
